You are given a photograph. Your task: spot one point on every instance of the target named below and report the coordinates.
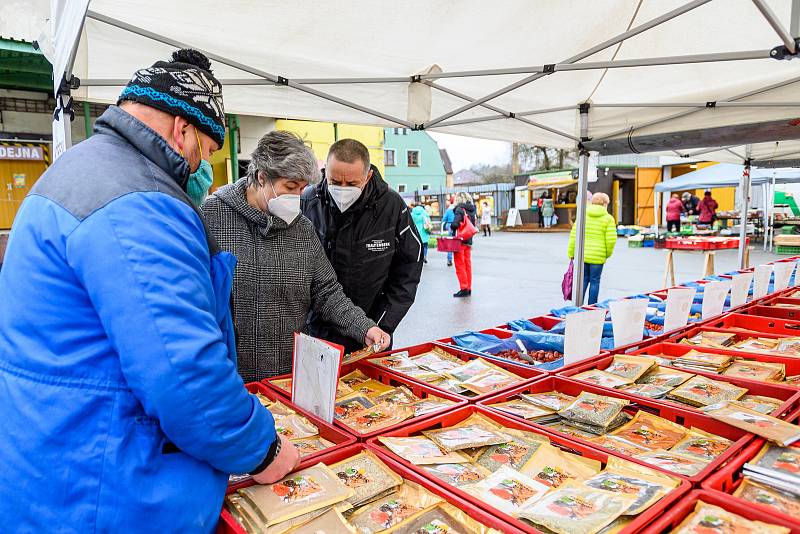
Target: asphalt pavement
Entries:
(518, 275)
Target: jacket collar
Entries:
(114, 121)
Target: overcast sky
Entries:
(468, 151)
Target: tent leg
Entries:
(669, 269)
(656, 209)
(580, 213)
(744, 191)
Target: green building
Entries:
(412, 161)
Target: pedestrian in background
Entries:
(548, 210)
(599, 241)
(463, 258)
(539, 204)
(708, 209)
(690, 203)
(447, 221)
(486, 219)
(423, 223)
(674, 210)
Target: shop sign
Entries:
(24, 153)
(19, 181)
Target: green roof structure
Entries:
(24, 67)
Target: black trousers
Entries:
(675, 224)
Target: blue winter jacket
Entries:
(120, 403)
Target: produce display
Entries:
(524, 476)
(538, 356)
(446, 371)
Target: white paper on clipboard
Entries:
(679, 305)
(761, 280)
(582, 335)
(783, 272)
(315, 375)
(714, 295)
(627, 317)
(740, 288)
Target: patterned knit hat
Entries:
(183, 86)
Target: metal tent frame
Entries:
(728, 136)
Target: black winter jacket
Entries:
(459, 212)
(374, 249)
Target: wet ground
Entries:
(519, 276)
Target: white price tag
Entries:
(714, 296)
(582, 335)
(627, 317)
(740, 288)
(761, 280)
(315, 375)
(679, 304)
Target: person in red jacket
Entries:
(708, 209)
(674, 210)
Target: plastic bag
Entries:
(524, 324)
(566, 283)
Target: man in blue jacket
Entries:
(120, 403)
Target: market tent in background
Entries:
(727, 175)
(657, 76)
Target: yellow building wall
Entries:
(220, 162)
(321, 135)
(646, 179)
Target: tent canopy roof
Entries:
(726, 175)
(313, 47)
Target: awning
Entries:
(726, 175)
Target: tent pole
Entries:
(700, 104)
(682, 114)
(772, 18)
(744, 191)
(795, 23)
(772, 214)
(656, 209)
(580, 211)
(574, 59)
(505, 113)
(246, 68)
(233, 130)
(765, 214)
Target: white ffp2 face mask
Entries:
(285, 207)
(344, 196)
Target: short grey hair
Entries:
(281, 154)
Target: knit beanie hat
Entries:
(183, 86)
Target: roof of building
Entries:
(448, 165)
(465, 177)
(22, 66)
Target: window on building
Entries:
(401, 188)
(412, 158)
(388, 157)
(426, 187)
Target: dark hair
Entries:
(350, 151)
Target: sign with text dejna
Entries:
(24, 153)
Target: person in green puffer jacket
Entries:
(601, 236)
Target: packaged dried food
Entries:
(565, 428)
(760, 403)
(665, 377)
(601, 378)
(409, 500)
(650, 391)
(577, 509)
(703, 361)
(489, 381)
(789, 345)
(553, 467)
(651, 431)
(708, 518)
(379, 416)
(366, 475)
(301, 492)
(351, 404)
(766, 426)
(647, 492)
(458, 474)
(471, 369)
(673, 462)
(702, 391)
(515, 453)
(308, 446)
(526, 410)
(443, 519)
(295, 426)
(764, 371)
(596, 410)
(718, 340)
(354, 378)
(756, 492)
(371, 388)
(553, 400)
(331, 521)
(507, 490)
(429, 405)
(420, 450)
(399, 395)
(475, 431)
(702, 444)
(630, 367)
(620, 445)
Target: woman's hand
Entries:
(284, 463)
(376, 336)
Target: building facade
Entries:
(412, 161)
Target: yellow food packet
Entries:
(553, 467)
(709, 518)
(651, 431)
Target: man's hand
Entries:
(376, 336)
(284, 463)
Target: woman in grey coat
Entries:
(282, 271)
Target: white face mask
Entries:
(344, 196)
(285, 207)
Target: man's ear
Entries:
(369, 174)
(179, 128)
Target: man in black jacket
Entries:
(369, 237)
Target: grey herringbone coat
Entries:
(282, 273)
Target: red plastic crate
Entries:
(759, 325)
(338, 437)
(682, 416)
(673, 350)
(741, 334)
(448, 244)
(454, 417)
(499, 332)
(526, 372)
(728, 478)
(228, 525)
(763, 310)
(789, 395)
(680, 510)
(381, 375)
(544, 321)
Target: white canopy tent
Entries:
(615, 76)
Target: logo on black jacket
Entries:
(378, 245)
